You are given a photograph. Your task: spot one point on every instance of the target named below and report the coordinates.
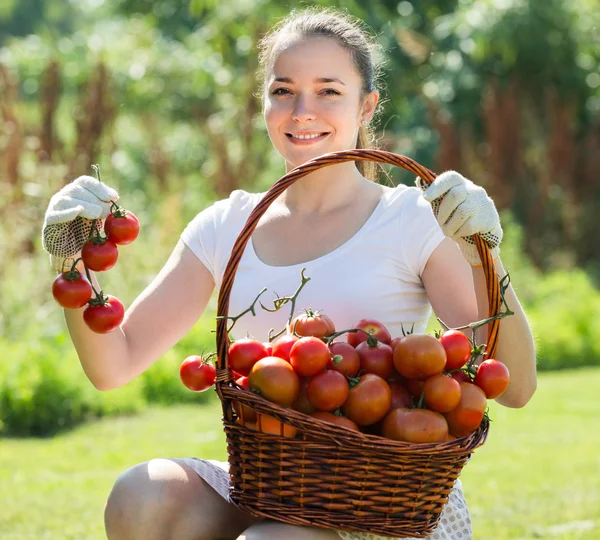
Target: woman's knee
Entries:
(272, 530)
(160, 498)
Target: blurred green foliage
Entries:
(181, 127)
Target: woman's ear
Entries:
(369, 106)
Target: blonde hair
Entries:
(349, 32)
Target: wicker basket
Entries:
(328, 476)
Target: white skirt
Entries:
(454, 524)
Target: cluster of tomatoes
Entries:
(103, 313)
(415, 388)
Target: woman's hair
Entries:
(348, 32)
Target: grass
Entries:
(537, 476)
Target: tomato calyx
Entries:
(117, 211)
(336, 359)
(101, 299)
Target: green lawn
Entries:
(538, 475)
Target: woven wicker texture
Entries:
(328, 476)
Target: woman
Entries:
(369, 250)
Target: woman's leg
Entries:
(164, 499)
(273, 530)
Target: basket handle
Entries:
(333, 158)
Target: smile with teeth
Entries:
(303, 137)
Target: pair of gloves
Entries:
(461, 208)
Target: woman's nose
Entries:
(303, 110)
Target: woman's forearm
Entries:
(516, 346)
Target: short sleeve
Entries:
(426, 234)
(212, 233)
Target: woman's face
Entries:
(313, 102)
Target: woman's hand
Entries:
(70, 216)
(462, 210)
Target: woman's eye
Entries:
(331, 92)
(280, 91)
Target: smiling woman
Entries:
(369, 250)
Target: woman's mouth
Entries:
(306, 138)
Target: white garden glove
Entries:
(70, 216)
(462, 210)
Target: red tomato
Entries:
(309, 355)
(344, 359)
(302, 404)
(331, 418)
(442, 393)
(460, 376)
(312, 323)
(415, 426)
(465, 418)
(400, 395)
(283, 345)
(414, 386)
(327, 390)
(104, 317)
(122, 229)
(419, 356)
(275, 380)
(273, 426)
(457, 347)
(269, 347)
(373, 327)
(100, 255)
(492, 377)
(376, 358)
(244, 411)
(71, 290)
(197, 374)
(244, 353)
(368, 401)
(395, 342)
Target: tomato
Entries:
(244, 353)
(368, 401)
(442, 393)
(244, 411)
(122, 229)
(415, 426)
(395, 342)
(309, 355)
(492, 377)
(327, 390)
(457, 347)
(302, 404)
(419, 356)
(331, 418)
(105, 315)
(376, 357)
(344, 359)
(414, 386)
(373, 327)
(273, 426)
(99, 255)
(197, 374)
(400, 395)
(312, 323)
(269, 347)
(465, 418)
(71, 290)
(275, 380)
(283, 345)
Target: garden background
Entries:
(161, 95)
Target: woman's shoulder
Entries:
(403, 196)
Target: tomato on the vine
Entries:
(401, 397)
(312, 323)
(418, 356)
(99, 254)
(415, 425)
(244, 353)
(71, 290)
(371, 327)
(104, 314)
(376, 357)
(457, 347)
(122, 227)
(275, 380)
(368, 401)
(442, 393)
(492, 377)
(466, 417)
(328, 390)
(309, 355)
(344, 359)
(283, 345)
(273, 426)
(197, 374)
(244, 411)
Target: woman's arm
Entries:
(458, 295)
(166, 310)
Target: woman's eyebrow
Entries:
(318, 80)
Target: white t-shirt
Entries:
(376, 274)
